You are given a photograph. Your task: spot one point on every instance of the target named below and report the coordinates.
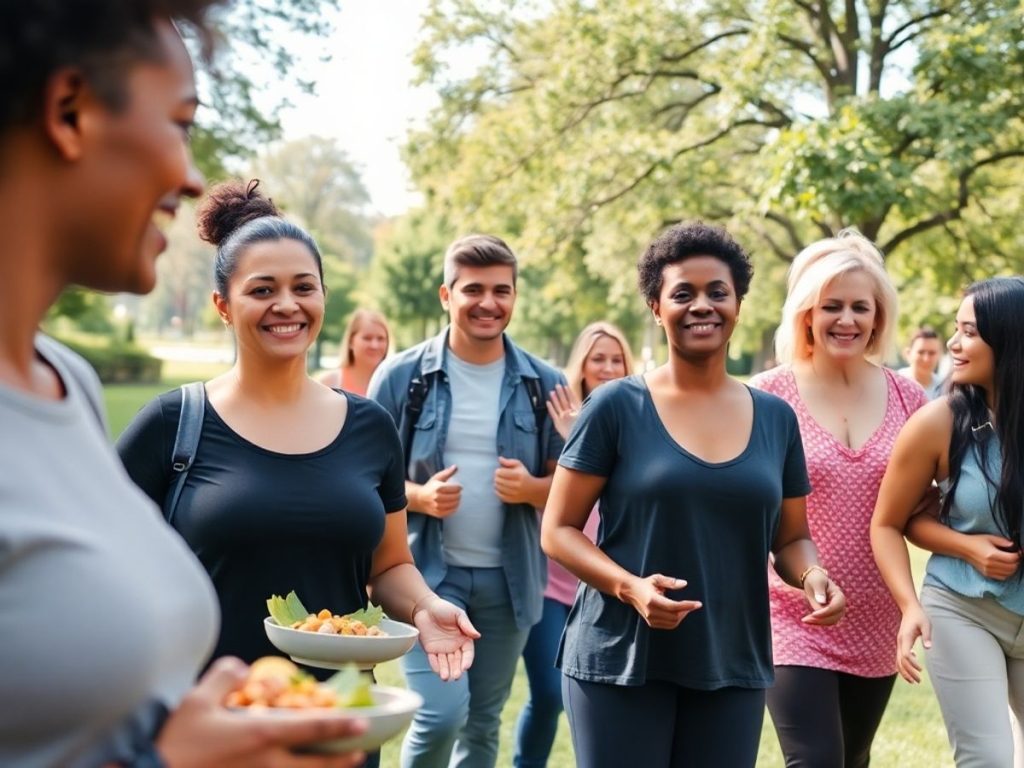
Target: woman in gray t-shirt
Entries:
(699, 480)
(105, 616)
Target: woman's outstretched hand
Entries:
(447, 635)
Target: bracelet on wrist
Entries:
(808, 570)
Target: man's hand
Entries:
(440, 495)
(513, 482)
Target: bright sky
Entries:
(364, 98)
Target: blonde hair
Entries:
(813, 269)
(359, 318)
(581, 348)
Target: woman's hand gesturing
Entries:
(647, 596)
(563, 408)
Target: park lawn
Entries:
(911, 734)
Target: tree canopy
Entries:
(586, 126)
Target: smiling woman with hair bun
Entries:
(295, 486)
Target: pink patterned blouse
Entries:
(845, 487)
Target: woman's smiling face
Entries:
(843, 320)
(275, 299)
(973, 359)
(697, 306)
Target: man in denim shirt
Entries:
(480, 457)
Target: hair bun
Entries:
(228, 206)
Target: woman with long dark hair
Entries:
(971, 612)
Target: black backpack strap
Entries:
(537, 402)
(186, 442)
(416, 395)
(540, 412)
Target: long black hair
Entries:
(999, 315)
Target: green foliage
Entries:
(313, 180)
(85, 310)
(407, 271)
(583, 128)
(119, 362)
(258, 39)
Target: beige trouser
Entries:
(976, 665)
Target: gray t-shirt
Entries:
(472, 534)
(105, 616)
(664, 510)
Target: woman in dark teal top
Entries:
(970, 618)
(699, 479)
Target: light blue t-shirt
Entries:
(972, 511)
(472, 534)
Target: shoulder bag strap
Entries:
(186, 441)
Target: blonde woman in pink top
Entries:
(363, 347)
(600, 353)
(832, 687)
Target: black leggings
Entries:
(827, 719)
(660, 725)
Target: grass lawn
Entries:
(911, 734)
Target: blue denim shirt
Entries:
(523, 562)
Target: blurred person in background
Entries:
(923, 355)
(363, 347)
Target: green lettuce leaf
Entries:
(352, 687)
(370, 615)
(286, 610)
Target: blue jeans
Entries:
(459, 721)
(538, 722)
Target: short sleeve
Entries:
(592, 446)
(145, 451)
(392, 487)
(795, 482)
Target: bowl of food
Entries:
(277, 688)
(364, 638)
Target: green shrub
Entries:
(120, 363)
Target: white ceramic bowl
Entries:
(392, 711)
(337, 651)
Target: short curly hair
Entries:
(680, 242)
(99, 37)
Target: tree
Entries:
(258, 40)
(407, 270)
(314, 180)
(783, 119)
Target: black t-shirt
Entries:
(266, 523)
(664, 510)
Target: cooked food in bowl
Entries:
(327, 623)
(276, 682)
